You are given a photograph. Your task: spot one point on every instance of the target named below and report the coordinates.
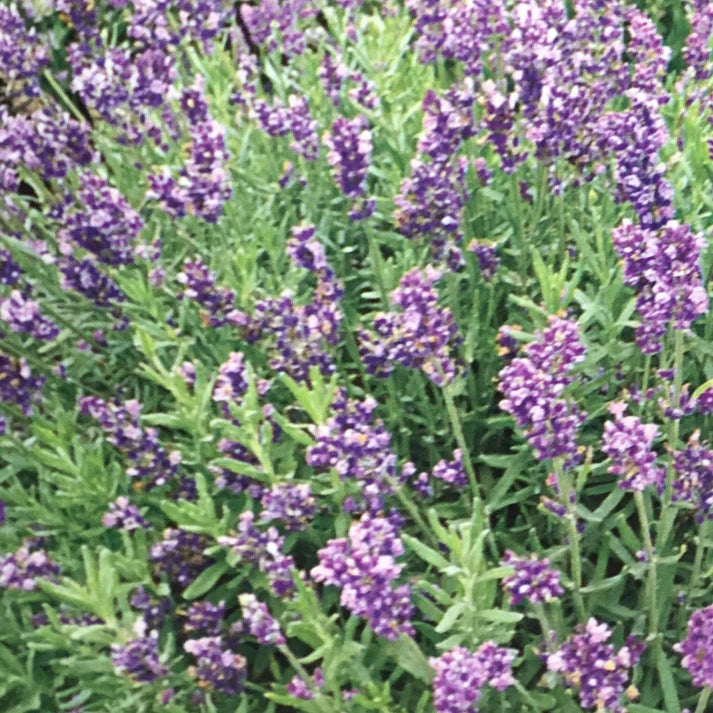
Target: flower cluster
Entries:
(421, 336)
(357, 446)
(84, 277)
(663, 267)
(586, 662)
(124, 516)
(199, 284)
(693, 482)
(232, 381)
(205, 617)
(534, 385)
(150, 464)
(180, 556)
(432, 199)
(101, 222)
(349, 145)
(264, 550)
(695, 648)
(18, 385)
(452, 472)
(25, 567)
(138, 659)
(216, 668)
(363, 565)
(533, 580)
(627, 442)
(292, 505)
(461, 676)
(260, 622)
(23, 315)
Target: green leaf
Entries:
(498, 616)
(425, 552)
(409, 656)
(205, 581)
(668, 685)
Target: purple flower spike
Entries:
(533, 581)
(696, 648)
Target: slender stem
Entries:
(703, 700)
(565, 488)
(519, 232)
(460, 438)
(698, 560)
(412, 509)
(645, 379)
(652, 584)
(547, 628)
(63, 95)
(377, 264)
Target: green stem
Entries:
(703, 700)
(519, 232)
(698, 560)
(547, 628)
(652, 584)
(565, 488)
(460, 438)
(63, 96)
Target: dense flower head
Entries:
(153, 609)
(260, 622)
(292, 505)
(533, 580)
(586, 662)
(216, 667)
(149, 462)
(696, 52)
(264, 550)
(696, 647)
(18, 385)
(453, 471)
(628, 442)
(275, 25)
(22, 314)
(487, 256)
(349, 147)
(10, 271)
(421, 335)
(180, 556)
(123, 515)
(138, 659)
(663, 268)
(26, 566)
(305, 251)
(200, 285)
(22, 55)
(101, 222)
(461, 676)
(357, 446)
(205, 617)
(533, 387)
(693, 480)
(363, 565)
(232, 381)
(83, 276)
(294, 118)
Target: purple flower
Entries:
(695, 649)
(232, 381)
(461, 676)
(23, 315)
(292, 505)
(28, 565)
(663, 268)
(589, 664)
(422, 335)
(124, 516)
(18, 385)
(452, 472)
(216, 668)
(84, 276)
(487, 256)
(533, 581)
(357, 446)
(534, 384)
(205, 617)
(627, 442)
(263, 550)
(199, 284)
(101, 222)
(693, 482)
(364, 567)
(179, 555)
(138, 659)
(260, 622)
(154, 610)
(9, 270)
(349, 144)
